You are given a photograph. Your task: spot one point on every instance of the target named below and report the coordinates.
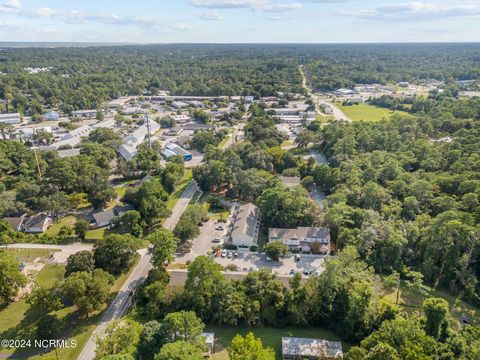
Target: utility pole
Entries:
(149, 132)
(36, 157)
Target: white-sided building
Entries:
(85, 114)
(11, 118)
(129, 148)
(302, 239)
(180, 119)
(246, 226)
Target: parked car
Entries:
(297, 257)
(219, 228)
(229, 255)
(292, 272)
(245, 269)
(235, 254)
(224, 253)
(269, 259)
(216, 240)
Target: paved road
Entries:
(123, 300)
(337, 113)
(180, 206)
(120, 304)
(59, 257)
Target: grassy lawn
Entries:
(367, 112)
(15, 320)
(56, 226)
(223, 142)
(180, 189)
(28, 255)
(271, 337)
(96, 234)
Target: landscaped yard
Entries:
(16, 322)
(271, 337)
(56, 226)
(367, 112)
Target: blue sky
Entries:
(240, 21)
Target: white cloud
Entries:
(281, 7)
(416, 11)
(210, 16)
(255, 5)
(80, 17)
(229, 4)
(13, 4)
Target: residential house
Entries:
(12, 119)
(103, 218)
(310, 349)
(37, 224)
(16, 223)
(174, 131)
(210, 342)
(246, 225)
(173, 149)
(302, 239)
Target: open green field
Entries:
(271, 337)
(365, 112)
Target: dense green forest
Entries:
(336, 66)
(85, 78)
(82, 78)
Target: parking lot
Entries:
(248, 261)
(211, 235)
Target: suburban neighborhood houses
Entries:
(231, 202)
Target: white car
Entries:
(219, 227)
(216, 240)
(229, 255)
(224, 253)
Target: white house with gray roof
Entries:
(246, 225)
(302, 239)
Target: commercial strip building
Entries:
(302, 239)
(131, 142)
(84, 114)
(75, 137)
(294, 348)
(11, 118)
